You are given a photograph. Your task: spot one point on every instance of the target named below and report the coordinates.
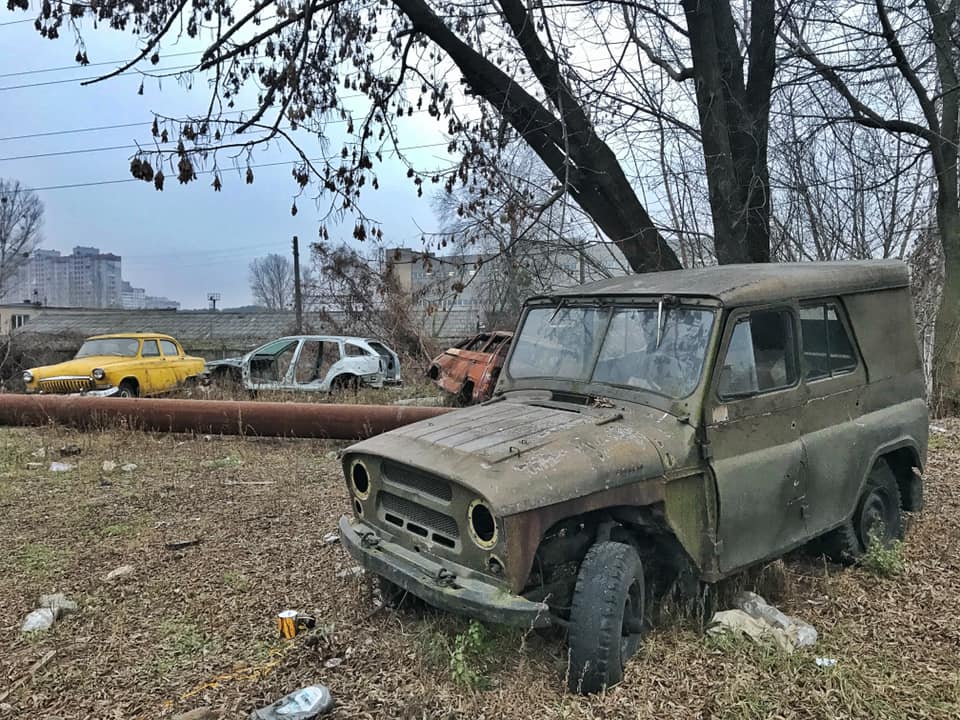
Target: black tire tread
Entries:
(596, 615)
(882, 477)
(842, 544)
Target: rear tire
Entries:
(606, 617)
(878, 509)
(878, 512)
(128, 389)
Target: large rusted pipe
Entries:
(305, 420)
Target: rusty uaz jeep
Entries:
(703, 419)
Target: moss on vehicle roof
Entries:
(755, 283)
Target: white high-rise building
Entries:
(87, 278)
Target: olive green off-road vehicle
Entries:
(645, 427)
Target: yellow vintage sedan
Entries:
(124, 365)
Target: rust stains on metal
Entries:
(305, 420)
(470, 369)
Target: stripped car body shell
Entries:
(470, 369)
(712, 481)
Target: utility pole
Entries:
(297, 297)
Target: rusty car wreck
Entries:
(647, 429)
(469, 370)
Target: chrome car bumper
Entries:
(103, 392)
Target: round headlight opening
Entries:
(482, 525)
(360, 479)
(27, 376)
(98, 374)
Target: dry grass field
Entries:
(194, 626)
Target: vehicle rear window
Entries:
(827, 349)
(150, 349)
(169, 349)
(351, 350)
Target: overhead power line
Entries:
(171, 69)
(78, 66)
(97, 128)
(109, 148)
(96, 183)
(17, 22)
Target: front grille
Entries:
(418, 515)
(66, 385)
(409, 478)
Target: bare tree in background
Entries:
(271, 281)
(514, 240)
(355, 294)
(842, 191)
(21, 217)
(896, 67)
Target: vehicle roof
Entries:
(346, 338)
(754, 283)
(138, 335)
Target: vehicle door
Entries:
(357, 359)
(271, 367)
(173, 358)
(833, 440)
(155, 370)
(751, 418)
(314, 363)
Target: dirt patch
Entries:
(195, 626)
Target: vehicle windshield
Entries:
(615, 346)
(122, 347)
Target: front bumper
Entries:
(103, 392)
(421, 576)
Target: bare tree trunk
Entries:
(946, 349)
(734, 122)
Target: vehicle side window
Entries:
(150, 349)
(351, 350)
(169, 349)
(761, 355)
(308, 364)
(272, 361)
(827, 349)
(316, 358)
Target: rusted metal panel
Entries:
(471, 368)
(306, 420)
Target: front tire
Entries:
(128, 389)
(606, 617)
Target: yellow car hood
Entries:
(79, 366)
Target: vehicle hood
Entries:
(80, 366)
(230, 361)
(521, 455)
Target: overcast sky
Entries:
(187, 240)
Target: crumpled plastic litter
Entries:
(760, 621)
(302, 704)
(39, 619)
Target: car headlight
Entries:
(360, 480)
(98, 374)
(482, 524)
(27, 376)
